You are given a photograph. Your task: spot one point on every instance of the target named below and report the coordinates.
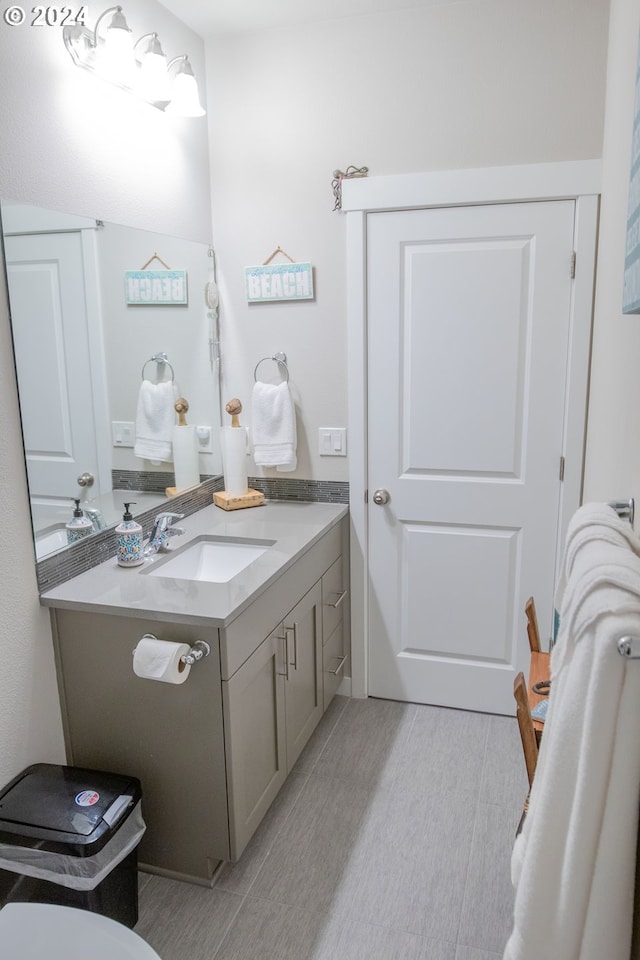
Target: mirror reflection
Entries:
(83, 346)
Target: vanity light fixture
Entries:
(115, 59)
(153, 82)
(185, 99)
(140, 68)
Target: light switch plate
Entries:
(204, 437)
(332, 441)
(123, 433)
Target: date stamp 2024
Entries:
(15, 16)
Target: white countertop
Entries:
(109, 588)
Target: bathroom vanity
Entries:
(211, 752)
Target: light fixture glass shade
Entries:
(185, 98)
(116, 60)
(153, 82)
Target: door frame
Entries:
(571, 180)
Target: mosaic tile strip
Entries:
(87, 553)
(320, 491)
(147, 480)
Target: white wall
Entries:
(613, 438)
(448, 86)
(71, 144)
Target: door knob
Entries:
(85, 480)
(381, 497)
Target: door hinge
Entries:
(572, 272)
(366, 496)
(561, 469)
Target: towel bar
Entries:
(629, 647)
(161, 359)
(624, 508)
(280, 359)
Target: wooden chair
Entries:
(539, 666)
(533, 631)
(525, 725)
(527, 736)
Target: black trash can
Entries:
(69, 836)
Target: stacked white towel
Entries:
(574, 863)
(155, 419)
(274, 426)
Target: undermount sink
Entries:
(209, 559)
(51, 539)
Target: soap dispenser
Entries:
(79, 526)
(129, 534)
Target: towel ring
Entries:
(160, 358)
(280, 359)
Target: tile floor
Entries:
(390, 840)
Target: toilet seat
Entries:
(44, 931)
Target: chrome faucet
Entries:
(162, 530)
(97, 519)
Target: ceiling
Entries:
(211, 18)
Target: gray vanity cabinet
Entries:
(272, 705)
(214, 751)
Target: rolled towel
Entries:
(274, 426)
(155, 419)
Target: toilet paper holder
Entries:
(199, 650)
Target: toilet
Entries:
(35, 931)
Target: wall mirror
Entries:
(81, 352)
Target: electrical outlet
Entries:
(332, 441)
(204, 437)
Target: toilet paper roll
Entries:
(234, 460)
(156, 659)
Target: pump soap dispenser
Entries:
(79, 526)
(129, 540)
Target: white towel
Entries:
(155, 419)
(574, 862)
(592, 521)
(274, 426)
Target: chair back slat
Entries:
(533, 631)
(525, 725)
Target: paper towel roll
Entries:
(233, 441)
(156, 659)
(185, 457)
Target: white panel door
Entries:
(468, 323)
(49, 323)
